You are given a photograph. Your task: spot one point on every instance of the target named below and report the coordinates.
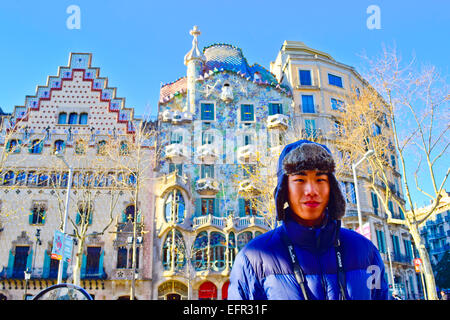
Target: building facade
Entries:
(214, 124)
(77, 115)
(319, 86)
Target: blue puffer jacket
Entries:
(262, 270)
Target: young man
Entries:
(308, 256)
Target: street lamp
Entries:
(27, 274)
(355, 179)
(69, 186)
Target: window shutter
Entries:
(9, 270)
(216, 207)
(83, 267)
(241, 207)
(44, 215)
(46, 267)
(198, 207)
(100, 263)
(30, 260)
(65, 265)
(90, 216)
(30, 217)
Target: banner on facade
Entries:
(365, 230)
(62, 246)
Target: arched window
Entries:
(101, 147)
(59, 146)
(9, 178)
(84, 214)
(62, 118)
(174, 207)
(73, 118)
(123, 148)
(36, 146)
(217, 247)
(130, 213)
(231, 248)
(174, 251)
(244, 238)
(200, 252)
(83, 118)
(13, 146)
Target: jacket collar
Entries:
(316, 239)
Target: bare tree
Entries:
(401, 111)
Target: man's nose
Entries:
(310, 188)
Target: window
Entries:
(32, 179)
(130, 213)
(335, 80)
(122, 254)
(374, 203)
(376, 129)
(84, 214)
(338, 128)
(62, 118)
(21, 259)
(310, 128)
(308, 104)
(207, 111)
(207, 171)
(243, 239)
(42, 180)
(275, 108)
(83, 118)
(200, 252)
(36, 146)
(59, 146)
(217, 250)
(13, 146)
(174, 207)
(249, 208)
(305, 77)
(350, 192)
(337, 104)
(37, 215)
(248, 139)
(93, 261)
(176, 167)
(247, 112)
(21, 178)
(391, 208)
(393, 161)
(80, 147)
(207, 206)
(176, 137)
(9, 178)
(73, 117)
(231, 248)
(174, 244)
(101, 147)
(207, 138)
(381, 241)
(123, 148)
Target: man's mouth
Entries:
(311, 204)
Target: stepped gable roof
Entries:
(78, 62)
(219, 58)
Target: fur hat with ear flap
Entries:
(307, 155)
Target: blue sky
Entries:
(140, 44)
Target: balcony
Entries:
(312, 133)
(278, 121)
(176, 117)
(209, 220)
(247, 153)
(251, 221)
(176, 152)
(207, 153)
(248, 187)
(207, 186)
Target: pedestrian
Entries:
(308, 256)
(444, 295)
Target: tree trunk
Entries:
(77, 265)
(426, 264)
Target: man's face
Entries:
(309, 192)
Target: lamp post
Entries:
(27, 274)
(69, 186)
(355, 179)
